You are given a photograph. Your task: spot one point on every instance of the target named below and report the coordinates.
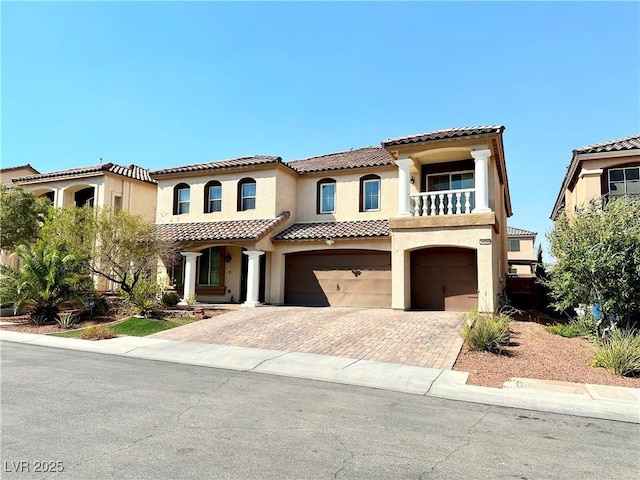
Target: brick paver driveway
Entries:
(426, 339)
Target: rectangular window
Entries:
(184, 195)
(449, 182)
(215, 198)
(371, 193)
(249, 196)
(514, 245)
(624, 181)
(327, 197)
(117, 204)
(210, 266)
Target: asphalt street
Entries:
(70, 414)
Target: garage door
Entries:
(353, 278)
(444, 279)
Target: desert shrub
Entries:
(170, 299)
(619, 352)
(66, 320)
(190, 300)
(145, 296)
(485, 332)
(99, 332)
(39, 319)
(582, 326)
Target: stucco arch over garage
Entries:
(481, 239)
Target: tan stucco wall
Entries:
(527, 252)
(347, 195)
(266, 204)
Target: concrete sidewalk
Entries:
(595, 401)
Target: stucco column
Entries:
(253, 278)
(481, 175)
(404, 179)
(189, 274)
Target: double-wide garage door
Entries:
(354, 278)
(444, 279)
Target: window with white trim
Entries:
(450, 182)
(213, 199)
(181, 198)
(326, 196)
(370, 193)
(246, 194)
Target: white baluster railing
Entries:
(447, 202)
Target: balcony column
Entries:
(189, 275)
(481, 175)
(404, 180)
(253, 278)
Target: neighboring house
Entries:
(521, 251)
(107, 185)
(600, 172)
(417, 224)
(8, 174)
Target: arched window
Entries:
(369, 193)
(246, 194)
(326, 196)
(181, 198)
(213, 197)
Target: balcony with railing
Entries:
(443, 202)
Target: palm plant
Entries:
(48, 276)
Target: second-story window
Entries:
(514, 245)
(246, 194)
(624, 181)
(213, 197)
(369, 193)
(181, 198)
(459, 184)
(326, 196)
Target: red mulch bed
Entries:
(536, 353)
(23, 324)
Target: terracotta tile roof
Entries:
(9, 169)
(519, 232)
(346, 229)
(626, 143)
(221, 230)
(131, 171)
(443, 134)
(220, 165)
(360, 157)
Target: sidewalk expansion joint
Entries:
(352, 363)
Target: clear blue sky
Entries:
(166, 84)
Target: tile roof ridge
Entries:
(607, 143)
(335, 153)
(446, 130)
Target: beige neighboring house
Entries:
(8, 174)
(600, 172)
(419, 223)
(108, 185)
(6, 178)
(521, 251)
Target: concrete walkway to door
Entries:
(425, 339)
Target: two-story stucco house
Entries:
(521, 252)
(599, 172)
(419, 223)
(128, 188)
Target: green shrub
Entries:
(619, 352)
(66, 320)
(99, 332)
(583, 326)
(170, 299)
(485, 332)
(39, 319)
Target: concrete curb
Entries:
(594, 401)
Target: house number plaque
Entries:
(485, 241)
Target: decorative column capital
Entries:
(189, 255)
(253, 253)
(481, 154)
(404, 162)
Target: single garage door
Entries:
(350, 278)
(444, 279)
